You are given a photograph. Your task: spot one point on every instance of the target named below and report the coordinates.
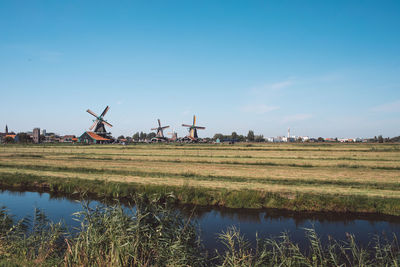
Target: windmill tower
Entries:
(99, 123)
(193, 129)
(160, 130)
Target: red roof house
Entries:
(93, 138)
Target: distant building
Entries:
(305, 138)
(36, 135)
(330, 139)
(44, 132)
(68, 139)
(93, 138)
(13, 136)
(6, 134)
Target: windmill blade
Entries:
(153, 129)
(106, 123)
(94, 124)
(159, 123)
(91, 112)
(186, 125)
(199, 127)
(165, 127)
(105, 111)
(194, 120)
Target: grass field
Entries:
(315, 177)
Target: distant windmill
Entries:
(160, 130)
(99, 122)
(193, 129)
(174, 135)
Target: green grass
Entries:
(155, 235)
(360, 178)
(195, 176)
(204, 196)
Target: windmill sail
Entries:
(193, 129)
(99, 123)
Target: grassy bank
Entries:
(300, 177)
(202, 196)
(154, 235)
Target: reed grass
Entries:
(152, 234)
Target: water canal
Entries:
(211, 221)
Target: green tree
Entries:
(259, 138)
(218, 136)
(136, 136)
(380, 139)
(23, 138)
(8, 140)
(234, 136)
(250, 136)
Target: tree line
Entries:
(250, 137)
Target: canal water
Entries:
(212, 221)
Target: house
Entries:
(52, 138)
(11, 135)
(93, 138)
(3, 137)
(68, 139)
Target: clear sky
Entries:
(322, 68)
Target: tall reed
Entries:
(151, 234)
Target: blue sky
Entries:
(322, 68)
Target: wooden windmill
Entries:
(99, 123)
(160, 130)
(193, 129)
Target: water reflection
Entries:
(213, 220)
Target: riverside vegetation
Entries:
(152, 234)
(301, 177)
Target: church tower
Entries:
(6, 129)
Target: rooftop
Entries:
(97, 137)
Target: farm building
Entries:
(68, 139)
(93, 138)
(3, 137)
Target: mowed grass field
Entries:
(320, 176)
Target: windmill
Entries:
(193, 129)
(174, 136)
(99, 123)
(160, 131)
